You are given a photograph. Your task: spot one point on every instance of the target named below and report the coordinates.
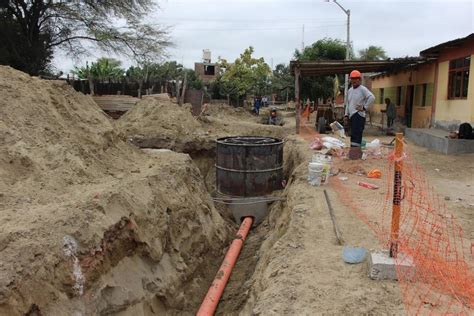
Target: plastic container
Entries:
(338, 129)
(326, 162)
(315, 172)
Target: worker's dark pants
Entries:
(257, 109)
(390, 121)
(357, 128)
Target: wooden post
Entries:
(178, 87)
(140, 86)
(397, 195)
(297, 96)
(183, 92)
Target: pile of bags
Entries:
(326, 142)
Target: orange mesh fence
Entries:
(441, 277)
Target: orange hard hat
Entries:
(355, 74)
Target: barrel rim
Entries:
(278, 141)
(247, 170)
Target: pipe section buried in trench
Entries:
(248, 166)
(209, 304)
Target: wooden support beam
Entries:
(297, 96)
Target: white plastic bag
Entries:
(336, 143)
(373, 148)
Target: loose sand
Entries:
(91, 224)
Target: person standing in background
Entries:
(359, 100)
(307, 109)
(391, 112)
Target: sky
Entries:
(275, 27)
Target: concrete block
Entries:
(255, 207)
(383, 267)
(435, 139)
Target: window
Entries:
(209, 70)
(458, 78)
(423, 98)
(399, 96)
(382, 101)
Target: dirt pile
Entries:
(156, 123)
(88, 223)
(225, 111)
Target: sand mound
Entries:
(160, 96)
(88, 223)
(152, 113)
(225, 111)
(155, 123)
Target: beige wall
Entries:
(454, 110)
(421, 115)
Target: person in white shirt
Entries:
(359, 100)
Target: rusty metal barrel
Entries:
(249, 166)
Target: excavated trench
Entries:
(94, 226)
(240, 292)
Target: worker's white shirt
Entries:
(360, 96)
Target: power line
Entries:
(260, 20)
(219, 29)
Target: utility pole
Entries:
(302, 41)
(348, 46)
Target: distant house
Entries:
(437, 91)
(206, 70)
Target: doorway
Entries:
(409, 105)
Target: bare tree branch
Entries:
(44, 25)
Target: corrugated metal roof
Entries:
(434, 51)
(331, 67)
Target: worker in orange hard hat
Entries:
(357, 102)
(355, 74)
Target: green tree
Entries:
(108, 69)
(165, 72)
(17, 50)
(104, 69)
(372, 53)
(325, 49)
(32, 29)
(193, 80)
(138, 74)
(245, 75)
(161, 74)
(283, 83)
(86, 73)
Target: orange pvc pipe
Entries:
(209, 304)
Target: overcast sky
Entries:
(274, 27)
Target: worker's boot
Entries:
(355, 153)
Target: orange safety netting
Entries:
(430, 239)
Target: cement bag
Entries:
(331, 142)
